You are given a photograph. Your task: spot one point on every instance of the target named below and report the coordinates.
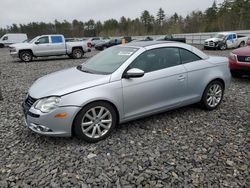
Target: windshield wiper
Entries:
(81, 68)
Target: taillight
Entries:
(233, 57)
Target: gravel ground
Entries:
(188, 147)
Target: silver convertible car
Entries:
(124, 83)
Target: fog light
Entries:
(40, 128)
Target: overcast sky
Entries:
(25, 11)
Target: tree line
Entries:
(229, 15)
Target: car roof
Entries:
(143, 44)
(156, 44)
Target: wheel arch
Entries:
(77, 47)
(24, 50)
(215, 79)
(90, 102)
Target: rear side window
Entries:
(157, 59)
(56, 39)
(187, 56)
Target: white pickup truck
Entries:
(48, 45)
(225, 40)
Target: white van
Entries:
(11, 38)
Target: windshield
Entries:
(33, 40)
(107, 61)
(220, 36)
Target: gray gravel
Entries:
(188, 147)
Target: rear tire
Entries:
(223, 47)
(213, 95)
(95, 122)
(77, 53)
(26, 56)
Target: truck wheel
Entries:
(1, 45)
(26, 56)
(242, 44)
(223, 47)
(77, 53)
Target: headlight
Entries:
(47, 104)
(233, 56)
(12, 49)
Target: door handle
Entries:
(181, 77)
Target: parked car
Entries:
(223, 41)
(96, 40)
(12, 38)
(102, 45)
(48, 45)
(171, 38)
(239, 61)
(112, 42)
(124, 83)
(144, 39)
(126, 38)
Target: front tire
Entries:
(212, 95)
(95, 122)
(26, 56)
(1, 45)
(223, 47)
(77, 53)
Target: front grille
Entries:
(30, 101)
(244, 59)
(209, 43)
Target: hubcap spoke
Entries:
(106, 121)
(104, 126)
(93, 132)
(87, 123)
(89, 116)
(214, 95)
(88, 129)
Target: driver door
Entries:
(42, 47)
(230, 42)
(163, 85)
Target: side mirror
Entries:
(37, 42)
(133, 73)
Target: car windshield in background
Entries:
(220, 36)
(33, 40)
(109, 60)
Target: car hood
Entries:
(64, 82)
(21, 45)
(244, 51)
(214, 39)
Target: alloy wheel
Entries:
(214, 95)
(96, 122)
